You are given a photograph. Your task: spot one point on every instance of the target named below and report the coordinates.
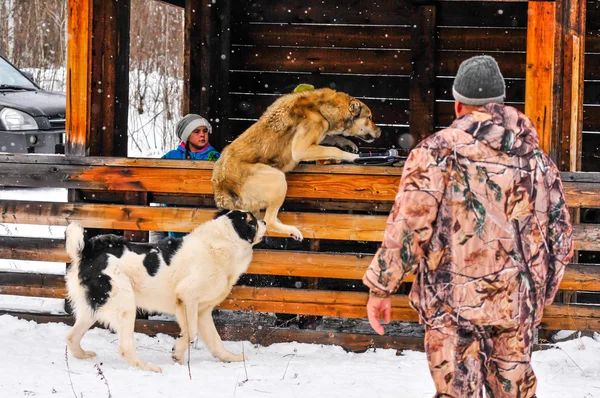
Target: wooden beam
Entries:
(110, 78)
(571, 37)
(286, 263)
(342, 304)
(540, 73)
(422, 79)
(264, 335)
(79, 75)
(129, 217)
(220, 100)
(195, 181)
(16, 159)
(97, 77)
(196, 57)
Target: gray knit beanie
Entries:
(479, 82)
(190, 123)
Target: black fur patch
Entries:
(220, 213)
(168, 247)
(150, 252)
(244, 223)
(94, 260)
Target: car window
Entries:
(12, 77)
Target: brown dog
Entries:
(250, 173)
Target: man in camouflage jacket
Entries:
(480, 218)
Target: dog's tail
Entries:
(74, 240)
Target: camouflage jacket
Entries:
(480, 217)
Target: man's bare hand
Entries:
(375, 307)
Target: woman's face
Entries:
(199, 138)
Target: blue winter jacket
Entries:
(208, 153)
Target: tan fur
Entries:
(198, 278)
(250, 172)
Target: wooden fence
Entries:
(321, 192)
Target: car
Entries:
(32, 120)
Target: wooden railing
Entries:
(321, 190)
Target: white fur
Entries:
(200, 276)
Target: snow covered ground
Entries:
(33, 363)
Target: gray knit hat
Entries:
(190, 123)
(479, 82)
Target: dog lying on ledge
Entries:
(110, 278)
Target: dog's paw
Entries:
(176, 358)
(296, 234)
(150, 368)
(231, 357)
(84, 355)
(350, 147)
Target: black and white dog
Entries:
(109, 278)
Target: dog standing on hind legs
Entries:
(251, 171)
(110, 278)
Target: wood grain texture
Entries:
(540, 76)
(78, 75)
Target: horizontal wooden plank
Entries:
(592, 40)
(591, 118)
(591, 93)
(483, 13)
(265, 262)
(591, 69)
(387, 12)
(375, 37)
(264, 335)
(477, 39)
(319, 35)
(33, 249)
(20, 159)
(337, 184)
(348, 61)
(352, 305)
(593, 15)
(321, 60)
(586, 237)
(283, 83)
(125, 217)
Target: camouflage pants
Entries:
(463, 361)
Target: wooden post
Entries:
(110, 78)
(554, 78)
(221, 89)
(422, 79)
(97, 77)
(206, 63)
(540, 78)
(570, 120)
(79, 23)
(196, 57)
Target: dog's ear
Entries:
(220, 213)
(244, 224)
(355, 107)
